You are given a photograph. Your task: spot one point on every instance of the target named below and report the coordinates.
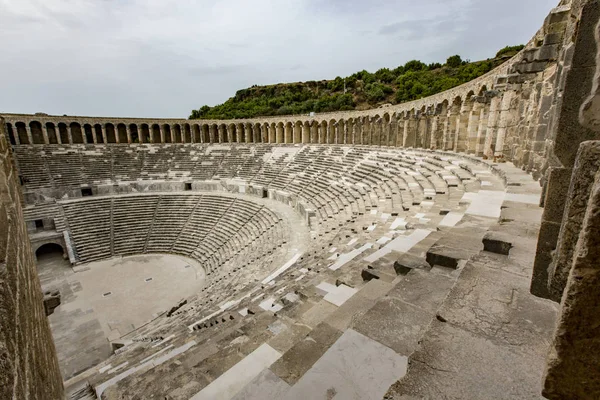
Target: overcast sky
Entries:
(162, 58)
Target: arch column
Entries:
(410, 131)
(366, 131)
(505, 120)
(128, 132)
(451, 126)
(375, 128)
(29, 134)
(473, 127)
(305, 133)
(341, 132)
(162, 133)
(357, 126)
(350, 131)
(492, 126)
(421, 122)
(400, 131)
(460, 144)
(69, 135)
(482, 129)
(45, 134)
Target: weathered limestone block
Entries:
(51, 301)
(587, 164)
(495, 242)
(573, 365)
(407, 262)
(554, 204)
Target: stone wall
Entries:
(28, 363)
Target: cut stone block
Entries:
(406, 262)
(495, 242)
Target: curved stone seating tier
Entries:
(211, 229)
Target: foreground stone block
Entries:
(496, 243)
(407, 262)
(51, 301)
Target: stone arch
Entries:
(482, 90)
(36, 132)
(167, 134)
(265, 133)
(121, 132)
(11, 134)
(76, 134)
(22, 133)
(88, 133)
(65, 138)
(134, 134)
(196, 133)
(257, 133)
(156, 136)
(49, 247)
(187, 134)
(99, 134)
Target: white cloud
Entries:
(165, 57)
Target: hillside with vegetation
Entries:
(359, 91)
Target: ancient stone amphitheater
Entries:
(445, 248)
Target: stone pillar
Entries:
(29, 134)
(45, 134)
(460, 144)
(451, 126)
(492, 127)
(421, 128)
(473, 127)
(505, 120)
(366, 131)
(482, 129)
(289, 133)
(128, 132)
(279, 130)
(69, 134)
(358, 126)
(162, 133)
(410, 131)
(341, 132)
(305, 132)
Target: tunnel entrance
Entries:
(49, 251)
